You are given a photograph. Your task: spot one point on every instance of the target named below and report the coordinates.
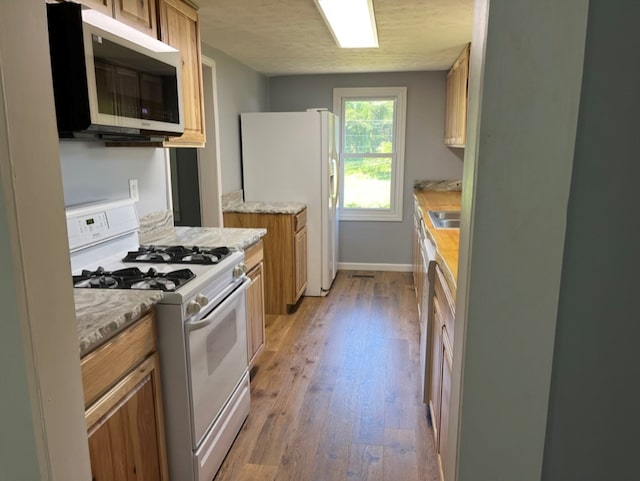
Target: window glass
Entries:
(368, 126)
(372, 132)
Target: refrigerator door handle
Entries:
(333, 174)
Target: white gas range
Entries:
(201, 327)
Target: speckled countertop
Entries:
(102, 313)
(157, 228)
(266, 207)
(233, 202)
(212, 237)
(447, 241)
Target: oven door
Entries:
(217, 355)
(426, 319)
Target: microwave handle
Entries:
(204, 322)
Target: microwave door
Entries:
(128, 89)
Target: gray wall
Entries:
(240, 89)
(426, 156)
(524, 95)
(594, 426)
(18, 454)
(93, 172)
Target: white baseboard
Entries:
(358, 266)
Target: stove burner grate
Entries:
(177, 255)
(133, 278)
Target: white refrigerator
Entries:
(293, 156)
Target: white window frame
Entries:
(399, 96)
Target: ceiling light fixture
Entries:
(351, 22)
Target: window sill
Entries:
(369, 216)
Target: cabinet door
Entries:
(255, 313)
(300, 267)
(103, 6)
(179, 27)
(456, 101)
(126, 430)
(448, 125)
(447, 364)
(461, 104)
(139, 14)
(436, 372)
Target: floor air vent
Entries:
(366, 276)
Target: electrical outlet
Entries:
(133, 190)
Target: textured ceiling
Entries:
(284, 37)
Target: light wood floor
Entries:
(334, 395)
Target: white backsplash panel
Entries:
(92, 172)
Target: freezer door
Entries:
(330, 195)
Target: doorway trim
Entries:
(209, 169)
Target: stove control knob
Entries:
(239, 270)
(202, 300)
(193, 307)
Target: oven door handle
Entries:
(202, 323)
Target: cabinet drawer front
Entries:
(103, 367)
(444, 298)
(253, 255)
(300, 220)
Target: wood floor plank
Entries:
(333, 456)
(400, 459)
(298, 458)
(335, 393)
(366, 463)
(257, 472)
(399, 387)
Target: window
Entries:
(372, 125)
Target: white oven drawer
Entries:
(216, 444)
(217, 358)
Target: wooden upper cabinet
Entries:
(456, 105)
(103, 6)
(140, 14)
(179, 27)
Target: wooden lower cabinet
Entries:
(300, 255)
(125, 423)
(436, 373)
(255, 302)
(285, 255)
(441, 364)
(447, 364)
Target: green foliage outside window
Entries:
(368, 130)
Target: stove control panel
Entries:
(95, 223)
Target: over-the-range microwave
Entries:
(110, 81)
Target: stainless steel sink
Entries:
(445, 219)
